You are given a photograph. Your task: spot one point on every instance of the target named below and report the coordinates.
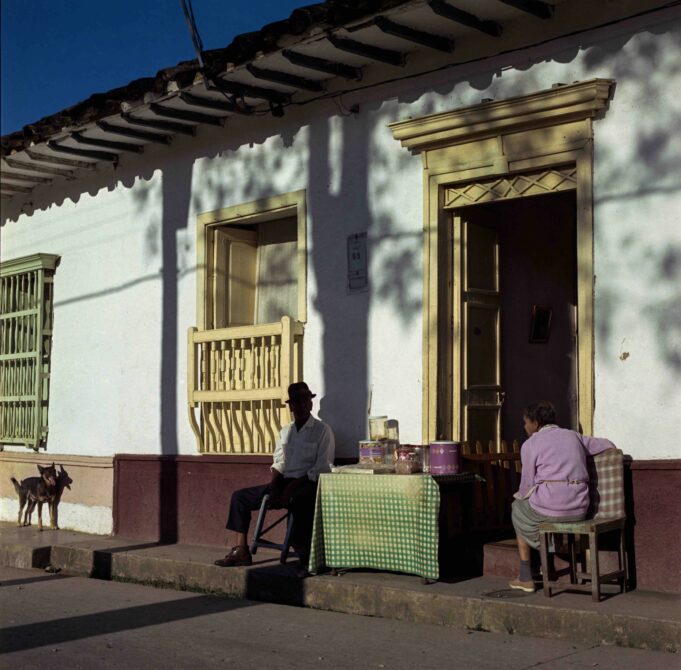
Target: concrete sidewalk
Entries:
(643, 620)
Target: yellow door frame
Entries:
(506, 138)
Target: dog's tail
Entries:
(17, 486)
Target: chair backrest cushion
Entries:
(606, 485)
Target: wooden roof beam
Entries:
(13, 189)
(367, 50)
(323, 65)
(132, 133)
(30, 167)
(181, 115)
(58, 160)
(107, 144)
(441, 8)
(418, 36)
(25, 177)
(542, 10)
(220, 105)
(95, 155)
(286, 79)
(154, 124)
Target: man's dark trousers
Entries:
(302, 502)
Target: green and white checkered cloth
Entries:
(385, 522)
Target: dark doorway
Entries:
(538, 287)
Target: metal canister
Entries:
(445, 458)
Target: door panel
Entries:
(482, 271)
(482, 344)
(480, 309)
(234, 277)
(482, 424)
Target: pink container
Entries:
(444, 458)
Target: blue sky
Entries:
(56, 53)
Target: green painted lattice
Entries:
(26, 317)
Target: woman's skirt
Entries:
(526, 521)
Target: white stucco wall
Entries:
(115, 376)
(95, 519)
(107, 303)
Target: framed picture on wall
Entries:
(540, 324)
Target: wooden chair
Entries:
(258, 533)
(606, 514)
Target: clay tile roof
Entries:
(243, 48)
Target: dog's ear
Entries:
(53, 465)
(41, 469)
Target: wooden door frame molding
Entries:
(473, 144)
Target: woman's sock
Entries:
(525, 571)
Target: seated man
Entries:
(305, 448)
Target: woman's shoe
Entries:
(528, 586)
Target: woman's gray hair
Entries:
(543, 412)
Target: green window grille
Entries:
(26, 318)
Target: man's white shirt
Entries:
(308, 451)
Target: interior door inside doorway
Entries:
(515, 255)
(481, 392)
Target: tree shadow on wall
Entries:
(344, 318)
(162, 240)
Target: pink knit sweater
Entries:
(558, 455)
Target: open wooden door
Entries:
(476, 270)
(234, 277)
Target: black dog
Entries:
(38, 490)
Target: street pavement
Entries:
(69, 623)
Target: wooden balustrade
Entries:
(238, 379)
(492, 499)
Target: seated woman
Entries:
(554, 483)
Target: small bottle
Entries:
(425, 462)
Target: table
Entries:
(385, 522)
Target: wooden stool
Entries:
(606, 491)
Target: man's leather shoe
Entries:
(236, 556)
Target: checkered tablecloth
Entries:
(385, 522)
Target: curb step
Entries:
(24, 556)
(479, 604)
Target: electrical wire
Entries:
(209, 77)
(193, 30)
(343, 110)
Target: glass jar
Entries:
(378, 427)
(371, 452)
